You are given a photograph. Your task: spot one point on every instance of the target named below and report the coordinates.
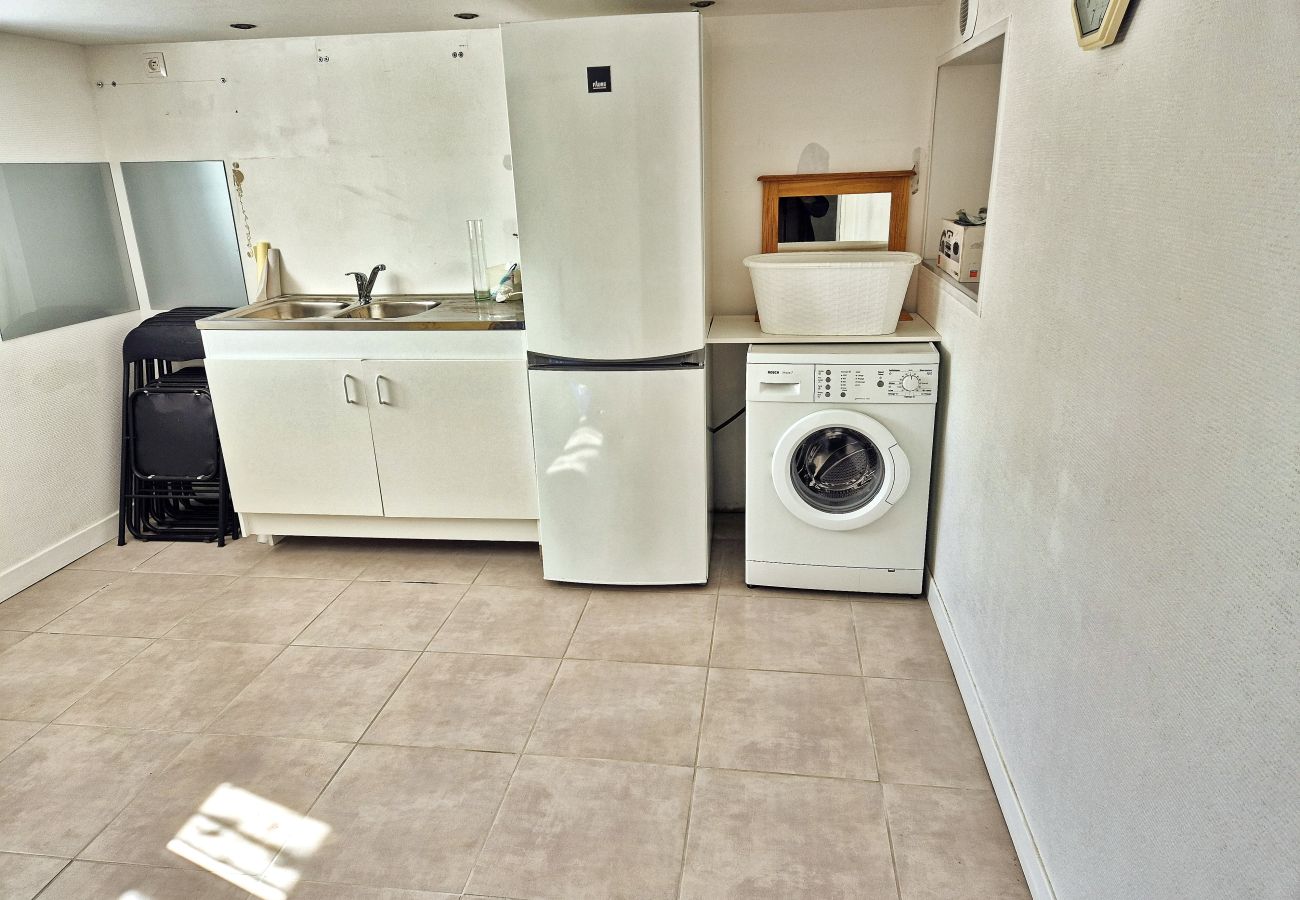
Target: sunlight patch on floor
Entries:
(254, 843)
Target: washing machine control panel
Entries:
(875, 384)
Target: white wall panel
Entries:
(1115, 532)
(59, 419)
(378, 155)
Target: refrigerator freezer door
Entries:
(605, 139)
(622, 475)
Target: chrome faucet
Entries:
(366, 285)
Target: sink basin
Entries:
(294, 309)
(390, 309)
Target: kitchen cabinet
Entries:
(296, 436)
(452, 438)
(432, 439)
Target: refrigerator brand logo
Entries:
(598, 80)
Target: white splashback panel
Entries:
(379, 154)
(609, 184)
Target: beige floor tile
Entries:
(900, 640)
(193, 558)
(140, 605)
(66, 783)
(519, 565)
(448, 562)
(172, 686)
(786, 634)
(619, 710)
(383, 615)
(646, 627)
(313, 890)
(785, 722)
(14, 734)
(756, 836)
(22, 876)
(9, 638)
(922, 734)
(519, 621)
(467, 702)
(47, 673)
(287, 772)
(406, 817)
(112, 558)
(260, 610)
(319, 693)
(572, 829)
(85, 880)
(51, 597)
(328, 558)
(950, 844)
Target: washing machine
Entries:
(839, 439)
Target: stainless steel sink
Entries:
(293, 309)
(387, 312)
(390, 309)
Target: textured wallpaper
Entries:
(1117, 522)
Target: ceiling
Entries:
(159, 21)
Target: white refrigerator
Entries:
(605, 135)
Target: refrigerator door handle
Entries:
(545, 362)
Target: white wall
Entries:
(965, 117)
(59, 422)
(378, 155)
(1117, 508)
(858, 85)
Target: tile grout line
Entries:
(54, 878)
(194, 736)
(419, 654)
(496, 815)
(333, 600)
(445, 619)
(351, 752)
(699, 739)
(884, 806)
(875, 755)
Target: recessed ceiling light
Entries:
(466, 15)
(242, 26)
(702, 4)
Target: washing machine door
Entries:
(839, 469)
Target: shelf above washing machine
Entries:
(744, 330)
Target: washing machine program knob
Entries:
(910, 382)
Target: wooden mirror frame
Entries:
(897, 184)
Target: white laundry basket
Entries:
(831, 291)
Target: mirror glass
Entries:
(835, 222)
(185, 228)
(62, 253)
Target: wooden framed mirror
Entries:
(844, 211)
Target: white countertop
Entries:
(744, 330)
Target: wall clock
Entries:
(1096, 22)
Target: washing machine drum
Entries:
(839, 469)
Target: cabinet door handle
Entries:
(347, 393)
(379, 390)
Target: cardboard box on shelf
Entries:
(961, 250)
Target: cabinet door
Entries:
(453, 438)
(296, 436)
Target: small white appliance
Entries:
(605, 136)
(839, 439)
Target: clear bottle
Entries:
(478, 259)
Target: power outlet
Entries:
(155, 66)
